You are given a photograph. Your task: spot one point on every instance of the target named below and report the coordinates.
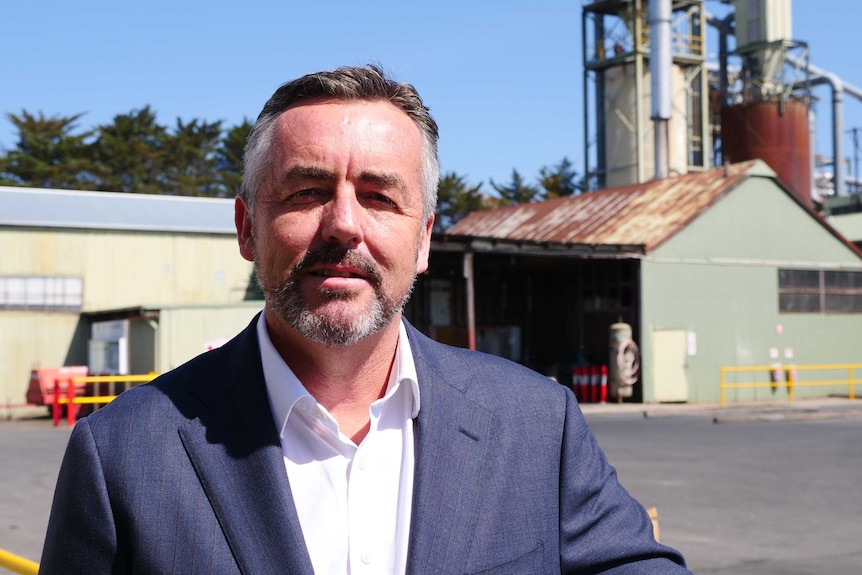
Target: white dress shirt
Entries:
(354, 502)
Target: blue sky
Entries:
(503, 78)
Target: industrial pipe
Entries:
(837, 127)
(660, 63)
(812, 137)
(839, 88)
(725, 30)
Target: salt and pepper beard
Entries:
(288, 303)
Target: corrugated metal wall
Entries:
(120, 269)
(718, 280)
(31, 340)
(123, 269)
(186, 332)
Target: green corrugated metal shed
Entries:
(714, 243)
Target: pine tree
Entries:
(456, 199)
(517, 191)
(49, 154)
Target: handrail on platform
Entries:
(789, 375)
(70, 400)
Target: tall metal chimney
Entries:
(660, 63)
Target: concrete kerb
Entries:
(24, 412)
(833, 407)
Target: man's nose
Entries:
(342, 220)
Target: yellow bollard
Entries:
(653, 515)
(791, 376)
(18, 564)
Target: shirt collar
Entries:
(285, 390)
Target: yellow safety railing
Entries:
(71, 397)
(18, 564)
(789, 375)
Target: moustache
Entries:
(332, 254)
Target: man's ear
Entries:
(424, 246)
(242, 219)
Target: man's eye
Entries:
(380, 199)
(306, 195)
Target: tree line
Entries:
(133, 153)
(136, 154)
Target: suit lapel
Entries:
(235, 450)
(452, 435)
(236, 453)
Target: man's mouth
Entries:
(335, 274)
(337, 262)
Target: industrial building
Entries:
(125, 283)
(844, 213)
(709, 266)
(755, 262)
(718, 268)
(702, 267)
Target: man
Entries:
(331, 436)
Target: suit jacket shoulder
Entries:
(526, 486)
(181, 475)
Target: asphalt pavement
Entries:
(32, 450)
(762, 489)
(766, 489)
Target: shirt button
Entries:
(363, 463)
(366, 558)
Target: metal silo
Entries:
(768, 117)
(775, 132)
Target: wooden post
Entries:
(471, 303)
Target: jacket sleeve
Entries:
(81, 536)
(603, 529)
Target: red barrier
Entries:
(584, 384)
(590, 383)
(56, 403)
(604, 384)
(71, 408)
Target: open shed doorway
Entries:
(550, 313)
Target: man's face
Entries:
(338, 236)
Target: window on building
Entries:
(41, 293)
(819, 291)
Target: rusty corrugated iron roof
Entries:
(645, 214)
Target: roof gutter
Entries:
(459, 243)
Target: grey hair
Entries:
(367, 83)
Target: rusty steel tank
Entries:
(773, 132)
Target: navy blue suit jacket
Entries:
(185, 475)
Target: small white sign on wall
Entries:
(691, 343)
